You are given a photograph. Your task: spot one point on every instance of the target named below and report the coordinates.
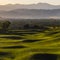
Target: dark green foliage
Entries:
(26, 26)
(5, 25)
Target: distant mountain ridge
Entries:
(32, 11)
(31, 14)
(30, 6)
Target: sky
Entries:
(53, 2)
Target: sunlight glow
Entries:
(54, 2)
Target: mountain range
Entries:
(31, 14)
(33, 11)
(30, 6)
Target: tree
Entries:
(26, 26)
(36, 27)
(5, 25)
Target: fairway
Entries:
(24, 44)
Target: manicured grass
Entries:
(22, 47)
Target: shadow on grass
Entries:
(43, 57)
(6, 55)
(30, 41)
(52, 33)
(13, 47)
(12, 37)
(21, 33)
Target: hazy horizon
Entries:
(53, 2)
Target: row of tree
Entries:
(5, 25)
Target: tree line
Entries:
(5, 26)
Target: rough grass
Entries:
(29, 44)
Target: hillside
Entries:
(30, 6)
(26, 44)
(31, 14)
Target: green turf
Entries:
(29, 44)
